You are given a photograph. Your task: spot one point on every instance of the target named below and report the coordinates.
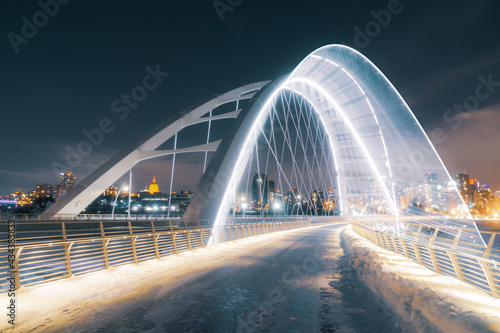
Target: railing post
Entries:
(387, 246)
(434, 236)
(157, 249)
(134, 251)
(221, 235)
(173, 242)
(456, 265)
(405, 248)
(189, 240)
(492, 283)
(67, 249)
(417, 253)
(456, 240)
(434, 260)
(201, 238)
(418, 232)
(17, 274)
(487, 251)
(395, 244)
(229, 233)
(104, 246)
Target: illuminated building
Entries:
(111, 191)
(153, 188)
(272, 191)
(473, 186)
(260, 190)
(180, 201)
(463, 184)
(44, 191)
(68, 180)
(242, 202)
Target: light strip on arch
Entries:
(355, 134)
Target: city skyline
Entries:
(435, 80)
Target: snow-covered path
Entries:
(296, 281)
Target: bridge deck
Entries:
(291, 281)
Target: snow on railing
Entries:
(477, 266)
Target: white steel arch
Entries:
(382, 149)
(381, 153)
(145, 148)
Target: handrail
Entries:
(81, 247)
(480, 270)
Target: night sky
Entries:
(63, 79)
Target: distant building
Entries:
(151, 201)
(180, 201)
(66, 184)
(260, 191)
(111, 191)
(430, 178)
(44, 191)
(68, 180)
(154, 188)
(272, 192)
(463, 183)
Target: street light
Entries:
(123, 187)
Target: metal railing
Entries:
(48, 251)
(124, 217)
(478, 266)
(87, 217)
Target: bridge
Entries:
(331, 143)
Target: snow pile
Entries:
(420, 295)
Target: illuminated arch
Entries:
(379, 148)
(363, 114)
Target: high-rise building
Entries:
(260, 190)
(272, 192)
(474, 187)
(68, 180)
(66, 184)
(463, 183)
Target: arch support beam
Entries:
(91, 187)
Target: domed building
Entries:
(154, 188)
(151, 201)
